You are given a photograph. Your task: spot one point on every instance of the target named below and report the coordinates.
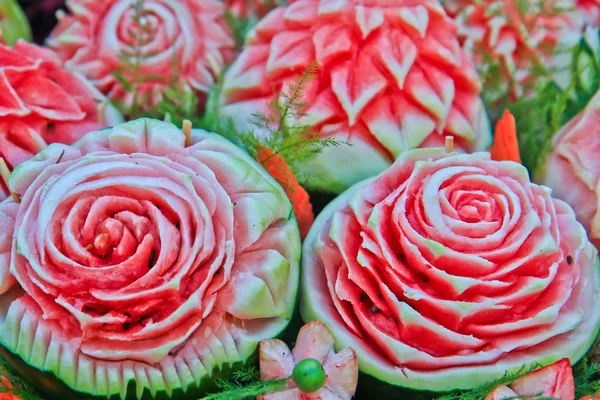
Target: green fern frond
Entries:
(11, 382)
(245, 384)
(280, 129)
(586, 374)
(482, 391)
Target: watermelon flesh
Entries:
(391, 77)
(314, 341)
(446, 271)
(137, 260)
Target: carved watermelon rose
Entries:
(573, 168)
(392, 77)
(187, 42)
(589, 11)
(513, 42)
(43, 103)
(144, 265)
(448, 270)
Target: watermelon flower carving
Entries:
(169, 44)
(392, 77)
(589, 11)
(314, 342)
(514, 43)
(554, 381)
(448, 270)
(573, 171)
(144, 266)
(43, 103)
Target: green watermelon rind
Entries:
(58, 368)
(450, 379)
(54, 389)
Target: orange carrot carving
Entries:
(506, 145)
(276, 166)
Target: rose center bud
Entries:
(123, 236)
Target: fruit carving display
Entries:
(448, 270)
(391, 77)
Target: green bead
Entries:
(309, 375)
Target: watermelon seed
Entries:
(152, 259)
(569, 260)
(127, 315)
(374, 309)
(178, 225)
(425, 278)
(61, 156)
(126, 326)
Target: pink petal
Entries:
(48, 99)
(292, 394)
(314, 341)
(10, 104)
(342, 373)
(276, 361)
(500, 393)
(8, 214)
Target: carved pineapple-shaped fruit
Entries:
(392, 77)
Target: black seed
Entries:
(152, 259)
(126, 326)
(61, 156)
(127, 315)
(363, 297)
(424, 278)
(569, 260)
(178, 225)
(375, 310)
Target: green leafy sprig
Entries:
(587, 378)
(281, 129)
(12, 383)
(246, 384)
(541, 116)
(482, 391)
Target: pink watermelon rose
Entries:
(554, 381)
(512, 41)
(43, 103)
(392, 77)
(573, 168)
(314, 341)
(448, 270)
(589, 11)
(142, 260)
(189, 43)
